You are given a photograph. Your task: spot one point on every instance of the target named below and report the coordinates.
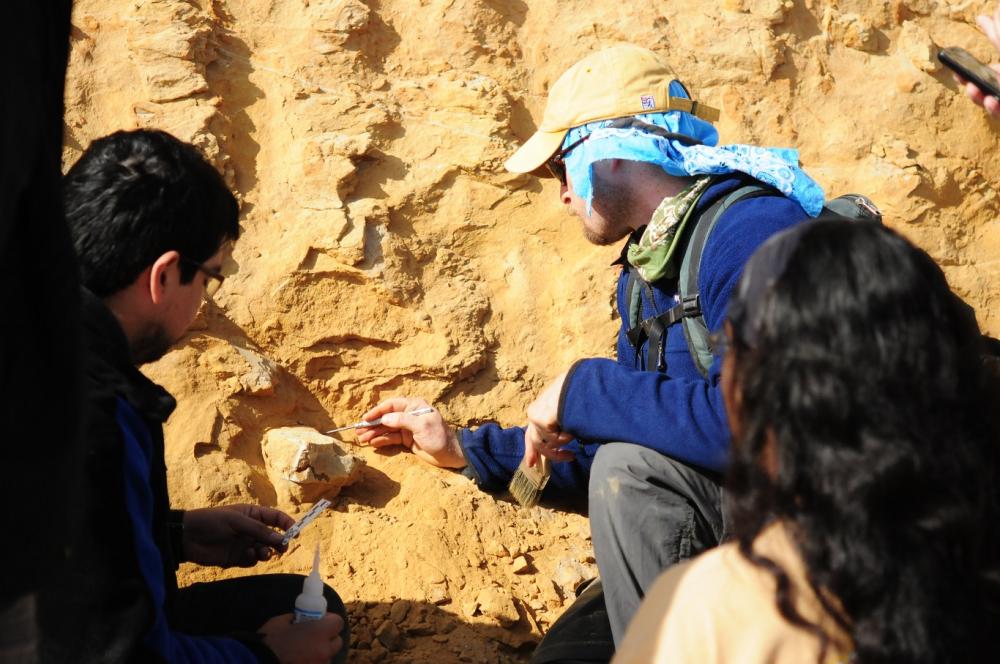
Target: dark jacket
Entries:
(117, 596)
(680, 412)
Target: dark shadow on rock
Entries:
(376, 42)
(799, 21)
(522, 125)
(389, 452)
(228, 78)
(418, 631)
(373, 489)
(531, 182)
(374, 169)
(512, 11)
(76, 33)
(945, 78)
(70, 139)
(575, 503)
(884, 43)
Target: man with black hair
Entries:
(150, 219)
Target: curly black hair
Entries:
(869, 426)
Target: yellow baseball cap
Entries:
(616, 82)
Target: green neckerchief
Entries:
(653, 255)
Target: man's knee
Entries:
(612, 456)
(624, 476)
(614, 471)
(623, 470)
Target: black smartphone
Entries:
(965, 65)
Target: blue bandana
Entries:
(777, 167)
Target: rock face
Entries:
(385, 251)
(304, 465)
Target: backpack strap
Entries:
(688, 307)
(696, 331)
(633, 300)
(652, 328)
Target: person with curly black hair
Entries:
(864, 472)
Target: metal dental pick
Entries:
(313, 512)
(377, 421)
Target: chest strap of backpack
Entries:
(688, 309)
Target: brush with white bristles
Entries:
(528, 482)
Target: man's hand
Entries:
(314, 642)
(990, 25)
(543, 434)
(990, 103)
(427, 436)
(234, 535)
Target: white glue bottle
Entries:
(310, 604)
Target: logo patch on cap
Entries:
(648, 103)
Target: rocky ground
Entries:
(385, 251)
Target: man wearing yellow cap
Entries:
(637, 159)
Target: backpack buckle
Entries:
(691, 305)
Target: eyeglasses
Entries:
(215, 277)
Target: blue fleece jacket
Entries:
(680, 412)
(171, 646)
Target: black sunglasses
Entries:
(557, 162)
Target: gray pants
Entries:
(647, 512)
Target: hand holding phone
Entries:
(965, 65)
(981, 83)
